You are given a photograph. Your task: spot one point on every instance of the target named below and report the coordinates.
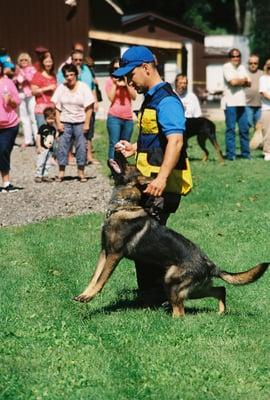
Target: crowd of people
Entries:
(246, 102)
(57, 108)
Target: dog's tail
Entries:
(243, 278)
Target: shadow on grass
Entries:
(129, 301)
(135, 304)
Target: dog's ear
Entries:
(121, 161)
(118, 167)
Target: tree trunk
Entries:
(249, 17)
(237, 14)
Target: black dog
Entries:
(204, 129)
(130, 232)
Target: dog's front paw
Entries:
(83, 298)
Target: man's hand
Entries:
(126, 148)
(156, 187)
(171, 156)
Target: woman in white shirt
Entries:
(74, 104)
(264, 88)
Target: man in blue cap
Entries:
(160, 151)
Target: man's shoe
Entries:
(9, 189)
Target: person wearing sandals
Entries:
(74, 105)
(120, 118)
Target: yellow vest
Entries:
(152, 144)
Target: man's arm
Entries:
(239, 82)
(232, 79)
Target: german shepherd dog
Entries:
(129, 231)
(204, 129)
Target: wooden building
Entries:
(178, 48)
(25, 25)
(105, 32)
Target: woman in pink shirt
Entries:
(9, 125)
(120, 118)
(43, 86)
(23, 76)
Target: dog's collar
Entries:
(119, 205)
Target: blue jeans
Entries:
(253, 115)
(71, 132)
(7, 140)
(118, 129)
(40, 120)
(237, 115)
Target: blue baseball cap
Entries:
(132, 58)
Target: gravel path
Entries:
(40, 201)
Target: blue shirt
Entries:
(170, 113)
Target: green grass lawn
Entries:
(53, 348)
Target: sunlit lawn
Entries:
(109, 349)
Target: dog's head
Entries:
(122, 172)
(125, 174)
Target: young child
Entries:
(45, 141)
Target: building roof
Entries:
(134, 19)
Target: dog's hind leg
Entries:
(177, 288)
(201, 139)
(218, 293)
(211, 134)
(105, 267)
(176, 298)
(219, 152)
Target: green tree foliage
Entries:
(259, 39)
(207, 16)
(248, 17)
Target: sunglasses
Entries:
(253, 63)
(77, 59)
